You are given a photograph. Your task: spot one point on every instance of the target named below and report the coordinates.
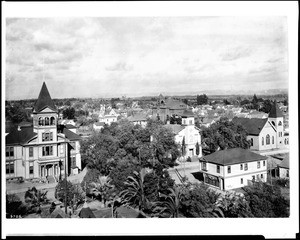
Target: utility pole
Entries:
(66, 183)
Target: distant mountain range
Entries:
(211, 92)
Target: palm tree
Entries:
(134, 193)
(170, 203)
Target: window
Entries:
(246, 166)
(73, 161)
(41, 121)
(47, 121)
(52, 121)
(280, 123)
(9, 152)
(242, 181)
(262, 141)
(287, 173)
(253, 178)
(31, 168)
(10, 168)
(264, 163)
(190, 122)
(48, 151)
(218, 169)
(229, 169)
(30, 151)
(261, 176)
(273, 123)
(251, 141)
(272, 139)
(204, 166)
(48, 136)
(241, 166)
(258, 164)
(267, 139)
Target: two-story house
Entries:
(44, 148)
(232, 168)
(108, 116)
(188, 134)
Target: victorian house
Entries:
(43, 149)
(188, 135)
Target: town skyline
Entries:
(112, 57)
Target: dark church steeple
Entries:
(44, 100)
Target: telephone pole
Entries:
(66, 183)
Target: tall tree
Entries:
(202, 99)
(224, 134)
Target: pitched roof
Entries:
(44, 100)
(175, 104)
(252, 125)
(187, 113)
(127, 212)
(233, 156)
(175, 128)
(70, 126)
(71, 135)
(285, 163)
(275, 111)
(86, 212)
(20, 137)
(137, 117)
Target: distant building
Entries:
(166, 108)
(108, 116)
(265, 133)
(98, 126)
(138, 119)
(189, 132)
(284, 167)
(232, 168)
(44, 149)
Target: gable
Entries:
(47, 110)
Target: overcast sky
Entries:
(105, 57)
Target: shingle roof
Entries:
(99, 123)
(233, 156)
(86, 213)
(71, 135)
(275, 111)
(285, 163)
(252, 125)
(70, 126)
(20, 137)
(175, 128)
(187, 113)
(137, 117)
(175, 104)
(44, 100)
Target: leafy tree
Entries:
(233, 205)
(14, 206)
(175, 119)
(226, 102)
(202, 99)
(267, 105)
(266, 200)
(197, 200)
(69, 113)
(34, 198)
(92, 176)
(224, 134)
(72, 191)
(16, 113)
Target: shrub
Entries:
(14, 206)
